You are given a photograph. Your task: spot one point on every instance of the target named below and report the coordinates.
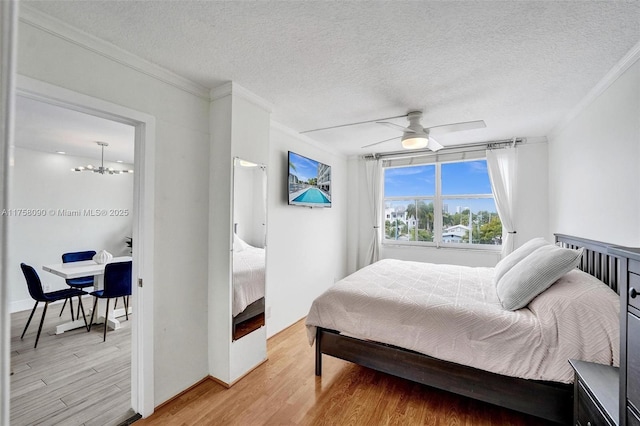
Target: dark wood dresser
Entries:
(629, 383)
(595, 394)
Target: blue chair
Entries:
(117, 283)
(81, 282)
(37, 293)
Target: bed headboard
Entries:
(596, 260)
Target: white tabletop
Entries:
(83, 268)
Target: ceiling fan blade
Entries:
(378, 143)
(434, 145)
(457, 127)
(396, 126)
(352, 124)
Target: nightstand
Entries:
(595, 397)
(629, 335)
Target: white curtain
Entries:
(502, 165)
(373, 170)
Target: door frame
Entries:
(142, 365)
(8, 43)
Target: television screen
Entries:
(309, 182)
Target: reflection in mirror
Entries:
(249, 236)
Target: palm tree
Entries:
(425, 212)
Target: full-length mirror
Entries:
(249, 247)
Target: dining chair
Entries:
(81, 282)
(117, 283)
(37, 293)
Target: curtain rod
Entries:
(497, 144)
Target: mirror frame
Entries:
(253, 315)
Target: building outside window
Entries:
(440, 204)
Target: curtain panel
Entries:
(502, 166)
(373, 171)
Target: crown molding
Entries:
(231, 88)
(30, 16)
(620, 68)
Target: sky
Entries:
(469, 177)
(304, 167)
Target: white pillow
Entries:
(516, 256)
(238, 244)
(534, 274)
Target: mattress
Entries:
(452, 313)
(248, 277)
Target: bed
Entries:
(437, 357)
(248, 283)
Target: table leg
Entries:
(112, 317)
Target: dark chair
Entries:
(117, 283)
(81, 282)
(37, 293)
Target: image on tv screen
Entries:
(309, 182)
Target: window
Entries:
(442, 203)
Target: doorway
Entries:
(50, 142)
(142, 219)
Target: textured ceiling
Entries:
(521, 66)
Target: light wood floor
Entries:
(70, 379)
(285, 391)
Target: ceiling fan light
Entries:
(414, 142)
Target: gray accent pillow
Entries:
(534, 274)
(516, 256)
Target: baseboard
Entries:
(304, 318)
(131, 420)
(220, 382)
(27, 305)
(196, 384)
(21, 305)
(248, 372)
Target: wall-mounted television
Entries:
(309, 182)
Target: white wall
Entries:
(231, 109)
(306, 247)
(44, 182)
(531, 210)
(594, 167)
(181, 189)
(249, 204)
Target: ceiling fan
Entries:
(414, 136)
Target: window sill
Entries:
(483, 249)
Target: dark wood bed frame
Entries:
(251, 311)
(549, 400)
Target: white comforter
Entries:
(248, 277)
(453, 313)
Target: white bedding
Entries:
(248, 277)
(453, 313)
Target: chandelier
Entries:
(101, 168)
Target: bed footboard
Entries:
(548, 400)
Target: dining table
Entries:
(86, 268)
